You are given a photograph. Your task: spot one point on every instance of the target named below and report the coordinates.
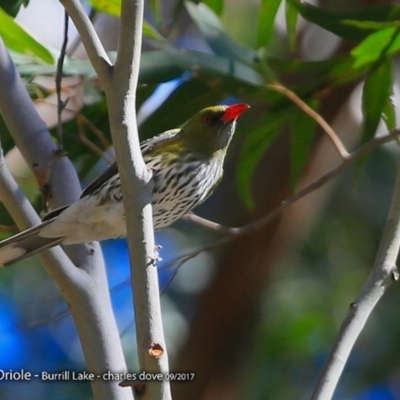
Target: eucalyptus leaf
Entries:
(152, 33)
(188, 98)
(155, 6)
(334, 21)
(266, 19)
(384, 42)
(113, 8)
(389, 114)
(371, 25)
(155, 67)
(376, 92)
(17, 39)
(12, 7)
(303, 131)
(254, 147)
(196, 62)
(216, 5)
(110, 7)
(214, 33)
(291, 13)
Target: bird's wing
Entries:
(146, 146)
(100, 180)
(54, 213)
(150, 144)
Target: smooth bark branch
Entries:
(85, 288)
(137, 192)
(96, 52)
(383, 273)
(120, 88)
(25, 216)
(32, 138)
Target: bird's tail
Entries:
(26, 244)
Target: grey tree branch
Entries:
(59, 74)
(383, 273)
(96, 52)
(120, 88)
(137, 189)
(85, 288)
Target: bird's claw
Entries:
(156, 258)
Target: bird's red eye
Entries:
(207, 119)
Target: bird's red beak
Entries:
(234, 111)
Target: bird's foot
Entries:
(157, 257)
(154, 260)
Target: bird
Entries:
(187, 166)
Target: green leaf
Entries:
(143, 93)
(155, 7)
(28, 67)
(376, 92)
(156, 67)
(315, 68)
(291, 13)
(255, 146)
(187, 99)
(334, 21)
(303, 131)
(344, 71)
(214, 33)
(377, 45)
(152, 33)
(371, 25)
(232, 72)
(110, 7)
(113, 8)
(216, 5)
(266, 18)
(11, 7)
(389, 114)
(19, 40)
(7, 142)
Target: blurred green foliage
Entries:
(238, 70)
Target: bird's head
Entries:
(211, 129)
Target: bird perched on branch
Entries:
(186, 164)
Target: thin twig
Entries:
(82, 120)
(314, 115)
(60, 64)
(172, 277)
(102, 153)
(8, 228)
(215, 226)
(45, 321)
(96, 52)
